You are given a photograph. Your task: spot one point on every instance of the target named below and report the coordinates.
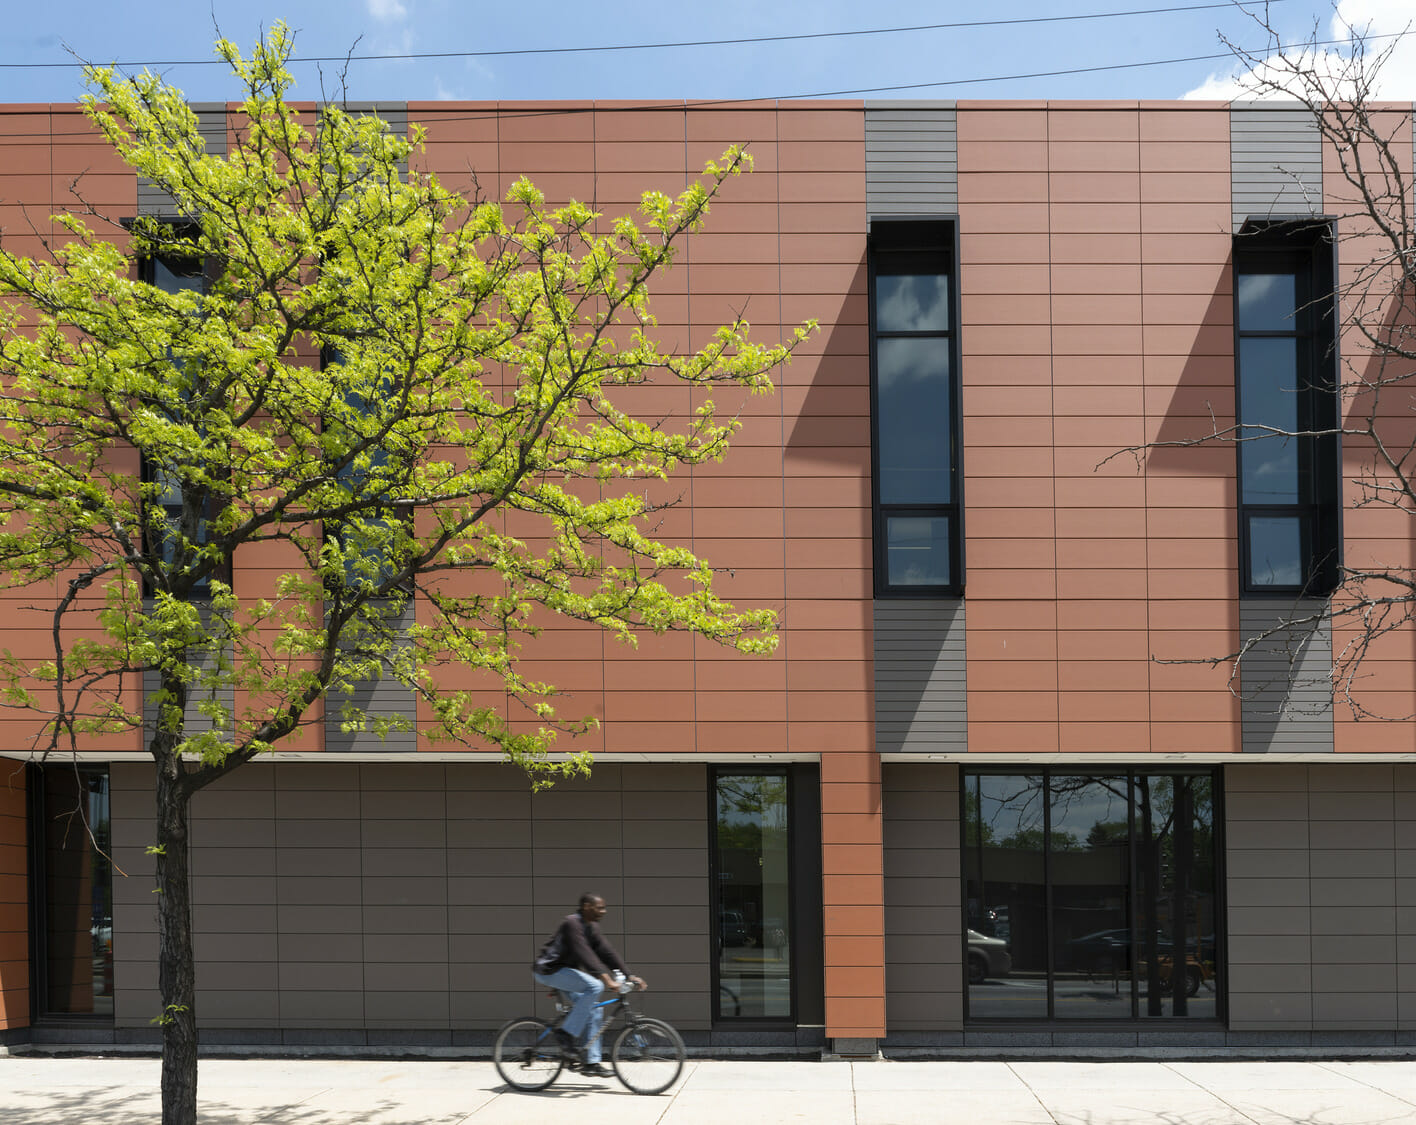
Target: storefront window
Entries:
(1090, 896)
(754, 896)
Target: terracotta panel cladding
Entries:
(1371, 533)
(14, 901)
(1096, 241)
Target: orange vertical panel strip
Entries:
(14, 906)
(853, 905)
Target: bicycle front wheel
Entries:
(527, 1054)
(648, 1056)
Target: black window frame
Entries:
(1181, 1025)
(38, 874)
(329, 357)
(1303, 249)
(805, 939)
(918, 238)
(147, 273)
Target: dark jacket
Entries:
(578, 944)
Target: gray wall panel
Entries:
(911, 158)
(1286, 678)
(1276, 162)
(195, 720)
(379, 697)
(211, 124)
(379, 921)
(1315, 932)
(920, 698)
(923, 968)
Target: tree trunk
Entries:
(176, 967)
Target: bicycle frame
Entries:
(529, 1056)
(563, 1006)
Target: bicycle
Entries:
(647, 1054)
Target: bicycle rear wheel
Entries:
(648, 1056)
(527, 1054)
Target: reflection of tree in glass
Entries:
(1107, 834)
(976, 833)
(1169, 822)
(1031, 839)
(750, 806)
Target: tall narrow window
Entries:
(368, 541)
(73, 891)
(1287, 410)
(915, 408)
(754, 902)
(176, 274)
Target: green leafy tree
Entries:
(467, 440)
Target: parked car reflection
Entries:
(987, 957)
(1109, 952)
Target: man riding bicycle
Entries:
(578, 961)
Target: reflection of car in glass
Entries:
(1097, 953)
(987, 957)
(1109, 951)
(732, 930)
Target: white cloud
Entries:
(387, 11)
(1396, 81)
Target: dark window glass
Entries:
(77, 966)
(1005, 948)
(1176, 909)
(365, 539)
(177, 275)
(1289, 493)
(911, 302)
(917, 550)
(174, 274)
(1090, 896)
(754, 896)
(912, 376)
(1268, 302)
(1276, 551)
(914, 403)
(1088, 845)
(1268, 368)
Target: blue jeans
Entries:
(585, 1016)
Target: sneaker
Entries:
(567, 1044)
(596, 1070)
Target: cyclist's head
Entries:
(592, 907)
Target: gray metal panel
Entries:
(211, 124)
(394, 113)
(195, 720)
(396, 926)
(924, 977)
(1276, 161)
(911, 158)
(1315, 893)
(1286, 678)
(382, 696)
(920, 694)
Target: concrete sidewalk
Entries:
(123, 1091)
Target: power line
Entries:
(954, 26)
(1086, 69)
(588, 106)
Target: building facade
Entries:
(992, 790)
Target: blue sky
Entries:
(174, 31)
